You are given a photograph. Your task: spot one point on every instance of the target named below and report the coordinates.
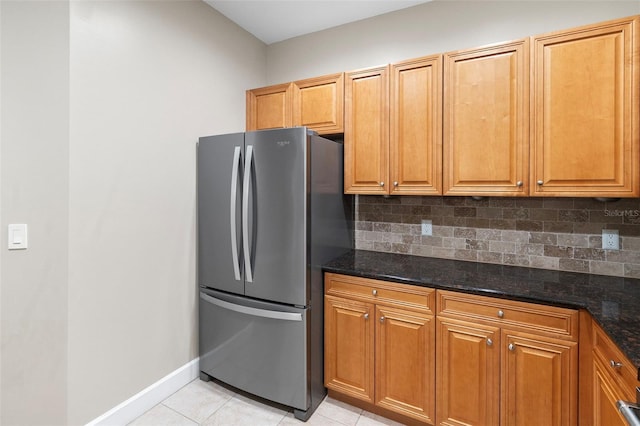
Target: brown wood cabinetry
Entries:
(486, 117)
(606, 376)
(379, 345)
(318, 103)
(366, 133)
(585, 111)
(530, 352)
(415, 144)
(393, 129)
(270, 107)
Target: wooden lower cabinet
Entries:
(502, 362)
(605, 395)
(468, 380)
(539, 381)
(379, 347)
(404, 362)
(348, 342)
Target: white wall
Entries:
(147, 79)
(102, 104)
(433, 27)
(34, 135)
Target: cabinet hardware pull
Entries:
(540, 182)
(395, 183)
(489, 342)
(381, 319)
(500, 313)
(366, 316)
(381, 183)
(615, 364)
(375, 292)
(511, 347)
(519, 183)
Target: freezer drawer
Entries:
(255, 346)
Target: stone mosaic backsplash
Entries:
(551, 233)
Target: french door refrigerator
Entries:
(271, 212)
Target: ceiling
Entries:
(276, 20)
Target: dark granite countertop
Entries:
(614, 302)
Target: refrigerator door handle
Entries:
(256, 312)
(237, 157)
(245, 214)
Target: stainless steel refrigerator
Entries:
(271, 212)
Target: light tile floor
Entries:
(209, 404)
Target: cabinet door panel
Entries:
(270, 107)
(486, 133)
(468, 375)
(416, 127)
(585, 122)
(605, 395)
(539, 381)
(366, 133)
(318, 103)
(349, 333)
(405, 380)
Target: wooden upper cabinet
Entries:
(416, 127)
(270, 107)
(318, 103)
(366, 131)
(586, 111)
(486, 116)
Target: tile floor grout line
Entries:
(178, 412)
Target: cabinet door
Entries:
(585, 111)
(486, 116)
(318, 103)
(405, 368)
(416, 127)
(468, 375)
(348, 347)
(605, 395)
(366, 131)
(539, 381)
(270, 107)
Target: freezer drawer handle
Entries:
(234, 198)
(245, 214)
(286, 316)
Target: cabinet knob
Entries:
(366, 316)
(511, 347)
(489, 342)
(615, 364)
(500, 313)
(374, 292)
(381, 319)
(519, 183)
(381, 183)
(395, 183)
(540, 182)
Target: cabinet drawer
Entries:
(543, 319)
(618, 366)
(380, 292)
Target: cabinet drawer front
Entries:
(618, 366)
(542, 319)
(381, 292)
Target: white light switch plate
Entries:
(427, 227)
(17, 236)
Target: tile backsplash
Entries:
(551, 233)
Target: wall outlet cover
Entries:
(427, 227)
(610, 239)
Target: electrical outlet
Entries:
(427, 227)
(610, 239)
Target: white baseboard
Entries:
(144, 400)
